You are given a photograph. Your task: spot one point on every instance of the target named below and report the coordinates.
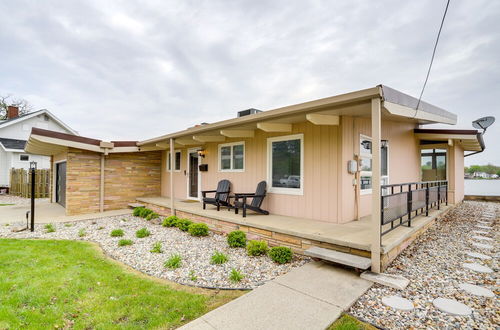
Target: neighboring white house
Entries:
(15, 130)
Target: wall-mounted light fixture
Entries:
(201, 153)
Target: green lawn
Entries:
(6, 204)
(347, 322)
(49, 283)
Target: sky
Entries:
(132, 70)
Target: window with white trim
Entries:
(286, 164)
(24, 158)
(177, 161)
(365, 160)
(232, 157)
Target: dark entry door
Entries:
(61, 183)
(193, 174)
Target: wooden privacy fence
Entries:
(20, 183)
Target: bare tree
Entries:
(6, 100)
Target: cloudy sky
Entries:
(138, 69)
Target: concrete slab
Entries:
(482, 246)
(390, 280)
(339, 257)
(46, 212)
(452, 307)
(335, 285)
(272, 306)
(477, 267)
(476, 290)
(478, 255)
(398, 302)
(309, 297)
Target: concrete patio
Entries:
(354, 234)
(47, 212)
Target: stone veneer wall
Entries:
(127, 176)
(297, 244)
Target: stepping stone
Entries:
(478, 255)
(339, 257)
(476, 290)
(483, 227)
(482, 238)
(482, 246)
(477, 267)
(398, 302)
(390, 280)
(452, 307)
(480, 232)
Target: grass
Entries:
(117, 233)
(49, 228)
(71, 284)
(156, 248)
(235, 276)
(175, 261)
(218, 258)
(347, 322)
(141, 233)
(125, 242)
(6, 204)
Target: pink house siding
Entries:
(329, 194)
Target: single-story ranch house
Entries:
(353, 174)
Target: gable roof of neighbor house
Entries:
(394, 103)
(29, 115)
(48, 143)
(12, 144)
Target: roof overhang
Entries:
(50, 143)
(396, 106)
(470, 140)
(38, 113)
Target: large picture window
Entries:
(177, 161)
(286, 158)
(365, 160)
(232, 157)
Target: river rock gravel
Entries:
(196, 269)
(433, 264)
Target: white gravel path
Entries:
(195, 251)
(433, 264)
(10, 199)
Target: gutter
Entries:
(481, 143)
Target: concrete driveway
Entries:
(46, 212)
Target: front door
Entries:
(61, 183)
(433, 164)
(193, 184)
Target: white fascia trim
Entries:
(400, 110)
(38, 113)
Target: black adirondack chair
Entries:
(257, 199)
(221, 197)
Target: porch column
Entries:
(101, 190)
(172, 161)
(376, 170)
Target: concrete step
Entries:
(339, 257)
(134, 205)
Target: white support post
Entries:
(172, 162)
(101, 192)
(376, 170)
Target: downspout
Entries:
(172, 155)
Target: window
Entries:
(232, 157)
(365, 159)
(433, 164)
(24, 158)
(177, 161)
(286, 159)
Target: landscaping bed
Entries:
(196, 266)
(433, 264)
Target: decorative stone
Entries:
(452, 307)
(478, 255)
(483, 227)
(482, 246)
(477, 267)
(482, 238)
(480, 232)
(398, 302)
(484, 222)
(476, 290)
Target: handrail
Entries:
(410, 200)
